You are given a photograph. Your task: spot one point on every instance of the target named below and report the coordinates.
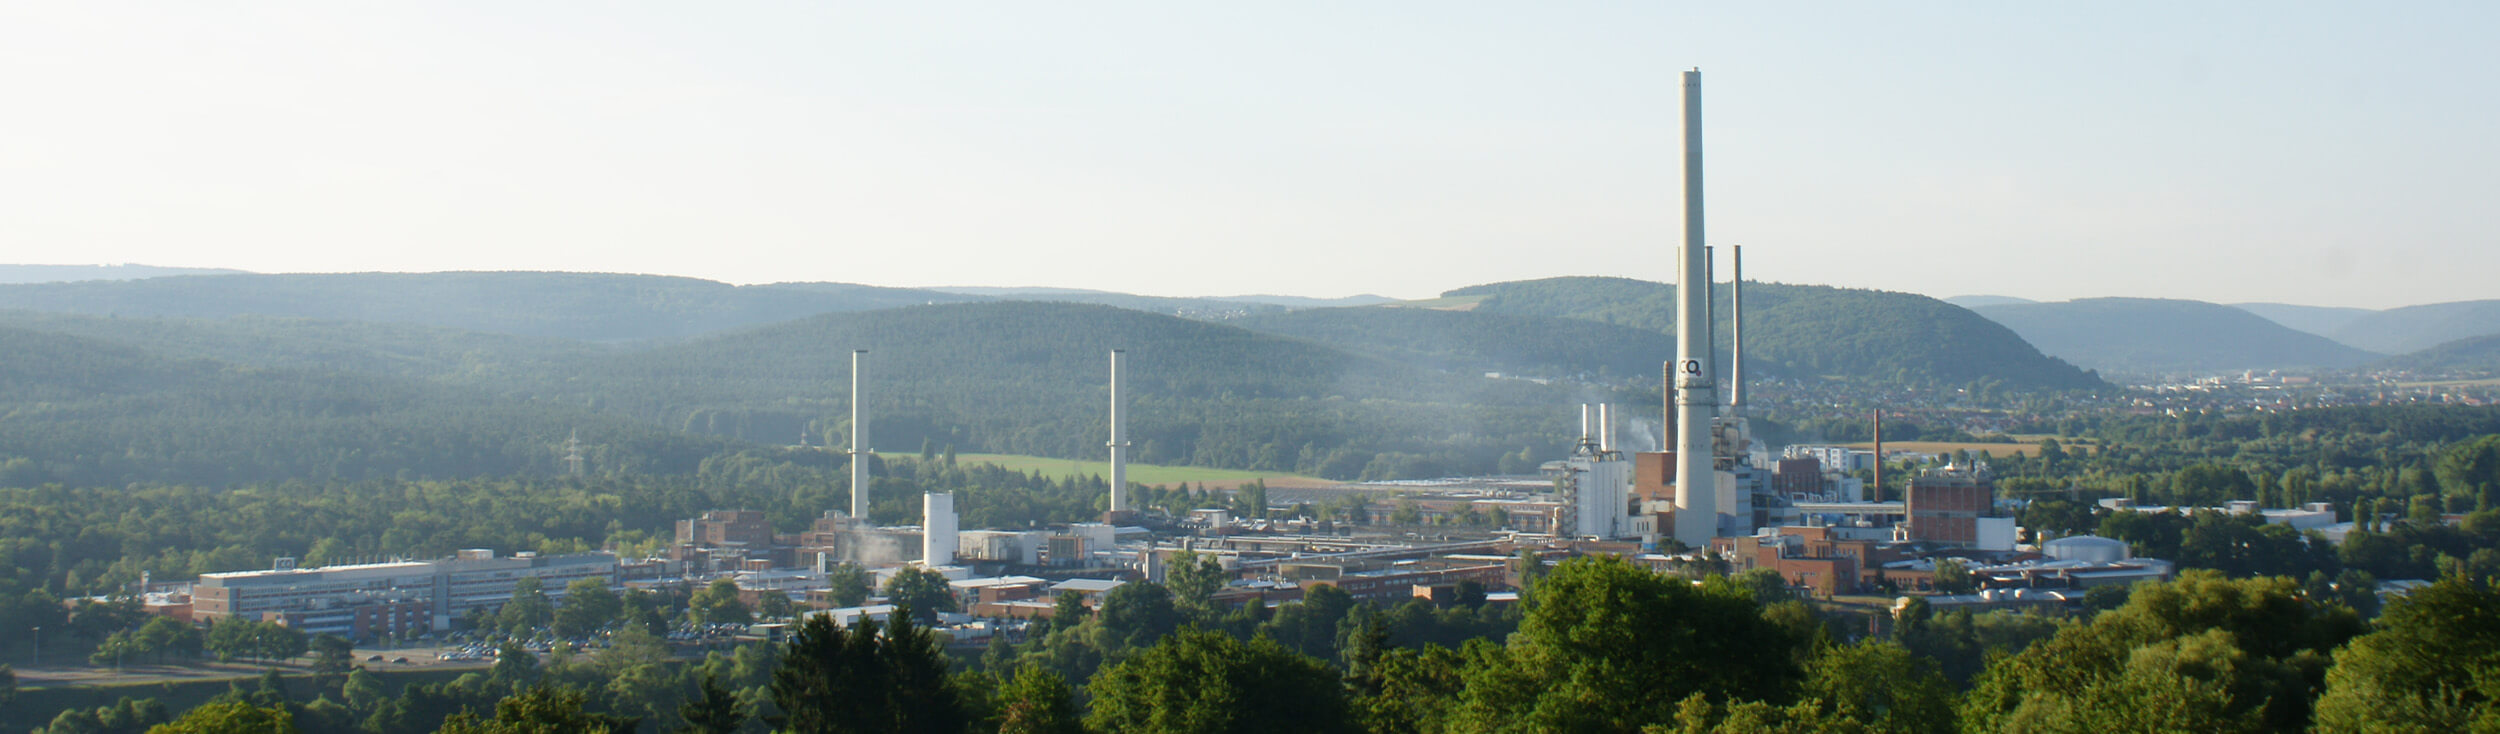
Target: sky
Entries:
(2319, 153)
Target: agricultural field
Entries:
(1141, 473)
(1991, 449)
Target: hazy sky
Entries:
(2333, 154)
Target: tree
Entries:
(527, 610)
(588, 606)
(923, 591)
(1883, 685)
(1952, 577)
(514, 665)
(1605, 637)
(2202, 653)
(2472, 470)
(1202, 681)
(858, 680)
(1138, 613)
(540, 710)
(2433, 665)
(718, 603)
(1038, 701)
(332, 654)
(1193, 580)
(229, 717)
(847, 584)
(713, 709)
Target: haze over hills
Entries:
(94, 413)
(584, 306)
(1475, 341)
(2145, 336)
(2477, 356)
(2414, 328)
(2320, 320)
(1194, 308)
(364, 347)
(75, 273)
(1975, 301)
(1029, 378)
(1811, 331)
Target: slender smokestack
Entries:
(1605, 426)
(1696, 397)
(1878, 495)
(1119, 440)
(1710, 275)
(1588, 424)
(859, 433)
(1736, 329)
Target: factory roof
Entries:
(1087, 586)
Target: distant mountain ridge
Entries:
(2477, 356)
(2320, 320)
(1975, 301)
(76, 273)
(2149, 336)
(2415, 328)
(1809, 331)
(583, 306)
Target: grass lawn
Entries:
(1938, 447)
(1138, 473)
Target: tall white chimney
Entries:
(1736, 328)
(859, 434)
(1588, 421)
(1119, 440)
(938, 539)
(1696, 397)
(1605, 426)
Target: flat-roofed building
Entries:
(369, 600)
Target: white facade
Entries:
(1605, 486)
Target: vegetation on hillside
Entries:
(1814, 331)
(1471, 342)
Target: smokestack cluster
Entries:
(859, 434)
(1696, 396)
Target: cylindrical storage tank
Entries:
(938, 541)
(2087, 548)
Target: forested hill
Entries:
(582, 306)
(1811, 331)
(2471, 357)
(1215, 309)
(2148, 336)
(1027, 377)
(86, 412)
(2415, 328)
(1471, 342)
(373, 348)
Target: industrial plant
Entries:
(1714, 498)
